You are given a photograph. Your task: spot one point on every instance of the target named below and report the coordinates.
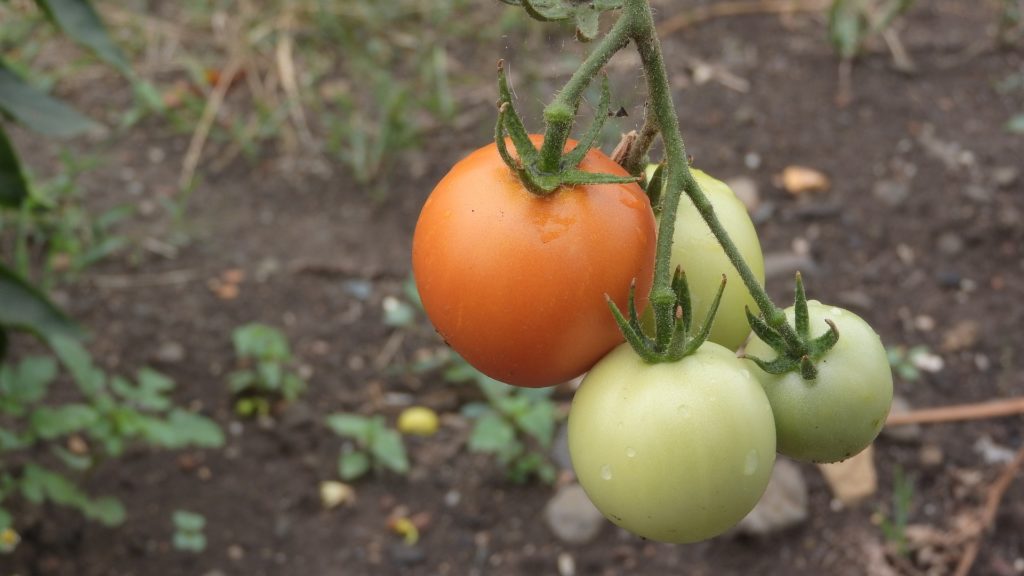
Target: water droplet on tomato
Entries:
(606, 472)
(750, 466)
(836, 311)
(630, 453)
(746, 373)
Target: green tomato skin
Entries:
(704, 261)
(674, 452)
(842, 411)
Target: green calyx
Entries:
(544, 171)
(675, 338)
(586, 13)
(797, 352)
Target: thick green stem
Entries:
(559, 115)
(680, 179)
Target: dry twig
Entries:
(985, 410)
(988, 513)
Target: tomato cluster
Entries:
(678, 451)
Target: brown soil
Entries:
(301, 239)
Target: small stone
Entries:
(950, 244)
(170, 352)
(752, 160)
(907, 433)
(783, 504)
(297, 414)
(892, 192)
(931, 456)
(1005, 176)
(560, 448)
(745, 189)
(236, 552)
(978, 192)
(156, 155)
(993, 453)
(854, 479)
(334, 494)
(566, 564)
(924, 323)
(572, 517)
(452, 498)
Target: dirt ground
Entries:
(922, 234)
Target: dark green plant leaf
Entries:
(24, 307)
(79, 20)
(539, 422)
(13, 186)
(37, 110)
(492, 434)
(186, 521)
(106, 510)
(49, 423)
(847, 26)
(389, 450)
(28, 381)
(76, 462)
(260, 341)
(350, 426)
(352, 465)
(195, 430)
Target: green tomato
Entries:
(840, 412)
(674, 452)
(695, 248)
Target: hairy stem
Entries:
(640, 22)
(560, 113)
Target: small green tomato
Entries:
(839, 413)
(674, 452)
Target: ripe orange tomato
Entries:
(516, 283)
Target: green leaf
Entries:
(1016, 124)
(24, 307)
(587, 21)
(13, 186)
(81, 22)
(350, 426)
(74, 461)
(352, 465)
(195, 430)
(270, 374)
(539, 422)
(475, 410)
(186, 521)
(260, 341)
(188, 542)
(29, 380)
(10, 441)
(39, 484)
(461, 371)
(36, 110)
(5, 520)
(492, 434)
(76, 359)
(106, 510)
(241, 380)
(50, 423)
(389, 450)
(847, 26)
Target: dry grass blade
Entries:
(738, 8)
(202, 131)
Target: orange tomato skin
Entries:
(516, 283)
